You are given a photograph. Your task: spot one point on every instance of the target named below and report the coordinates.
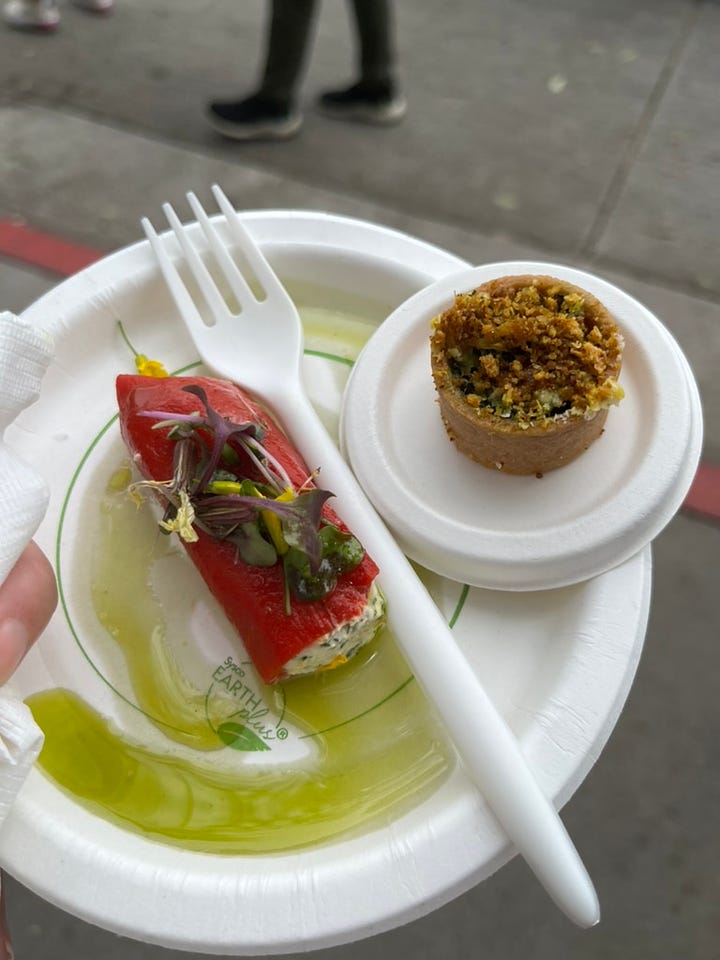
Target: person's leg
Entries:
(288, 33)
(374, 21)
(271, 112)
(376, 97)
(31, 14)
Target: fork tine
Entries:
(263, 271)
(226, 263)
(179, 291)
(202, 277)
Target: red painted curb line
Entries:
(44, 250)
(704, 496)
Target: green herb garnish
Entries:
(265, 517)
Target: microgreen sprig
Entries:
(264, 519)
(248, 434)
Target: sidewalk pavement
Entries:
(565, 130)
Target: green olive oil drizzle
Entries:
(374, 755)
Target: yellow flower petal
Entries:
(182, 523)
(149, 368)
(274, 524)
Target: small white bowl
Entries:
(493, 530)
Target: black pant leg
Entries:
(288, 35)
(376, 39)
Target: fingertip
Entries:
(28, 598)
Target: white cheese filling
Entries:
(343, 642)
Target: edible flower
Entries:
(144, 365)
(182, 522)
(149, 368)
(273, 524)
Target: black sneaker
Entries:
(368, 102)
(255, 118)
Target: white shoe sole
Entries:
(361, 113)
(27, 16)
(262, 130)
(95, 6)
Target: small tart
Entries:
(525, 370)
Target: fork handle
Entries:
(490, 753)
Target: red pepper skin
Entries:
(253, 598)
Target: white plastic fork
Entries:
(261, 349)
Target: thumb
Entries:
(28, 598)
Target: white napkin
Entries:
(24, 355)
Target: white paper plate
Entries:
(503, 532)
(558, 664)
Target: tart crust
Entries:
(544, 332)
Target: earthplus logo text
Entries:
(253, 726)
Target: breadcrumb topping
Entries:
(539, 351)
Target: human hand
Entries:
(28, 597)
(27, 600)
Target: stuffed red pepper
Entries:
(292, 579)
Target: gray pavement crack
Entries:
(618, 181)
